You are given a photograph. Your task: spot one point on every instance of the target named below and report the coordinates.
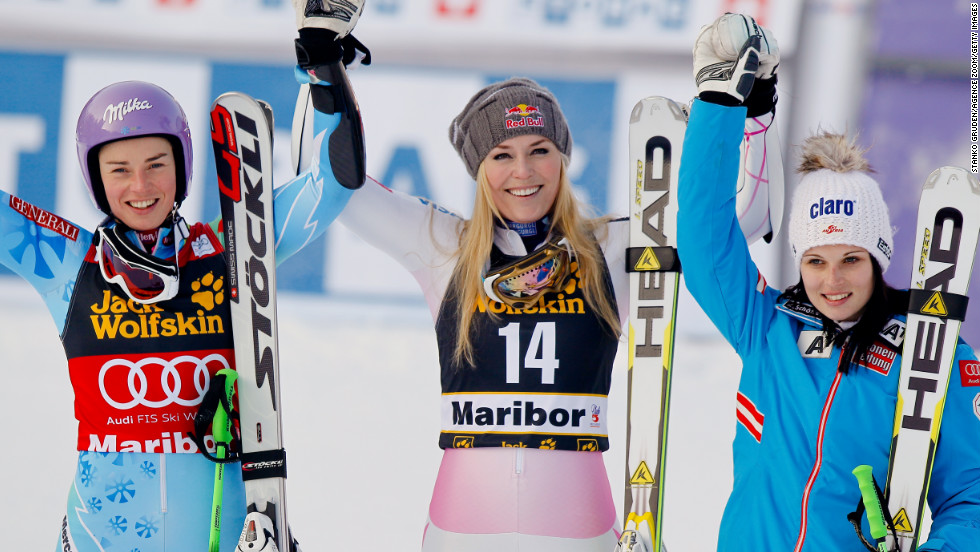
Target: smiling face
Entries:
(140, 180)
(839, 280)
(524, 174)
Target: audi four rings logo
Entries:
(170, 381)
(971, 369)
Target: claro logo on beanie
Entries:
(831, 206)
(526, 120)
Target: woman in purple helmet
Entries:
(141, 307)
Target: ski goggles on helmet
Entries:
(520, 283)
(141, 276)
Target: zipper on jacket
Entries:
(824, 415)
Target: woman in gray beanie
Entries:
(528, 298)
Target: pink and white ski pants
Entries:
(493, 499)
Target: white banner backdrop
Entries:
(459, 30)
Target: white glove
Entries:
(338, 16)
(731, 53)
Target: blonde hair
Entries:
(476, 241)
(826, 150)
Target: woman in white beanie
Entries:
(820, 361)
(528, 298)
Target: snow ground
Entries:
(361, 422)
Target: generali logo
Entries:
(44, 219)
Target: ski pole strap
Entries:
(218, 396)
(932, 302)
(873, 504)
(263, 464)
(652, 259)
(855, 519)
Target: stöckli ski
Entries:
(241, 134)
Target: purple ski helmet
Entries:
(131, 109)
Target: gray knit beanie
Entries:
(503, 110)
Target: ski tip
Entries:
(651, 105)
(952, 176)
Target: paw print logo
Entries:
(548, 444)
(463, 442)
(588, 445)
(572, 282)
(208, 291)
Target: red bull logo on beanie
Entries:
(830, 206)
(526, 114)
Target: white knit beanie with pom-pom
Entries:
(837, 203)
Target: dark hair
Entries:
(884, 303)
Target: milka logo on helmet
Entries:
(526, 120)
(825, 206)
(116, 112)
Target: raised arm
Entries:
(44, 249)
(718, 269)
(328, 138)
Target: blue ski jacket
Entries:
(802, 424)
(154, 494)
